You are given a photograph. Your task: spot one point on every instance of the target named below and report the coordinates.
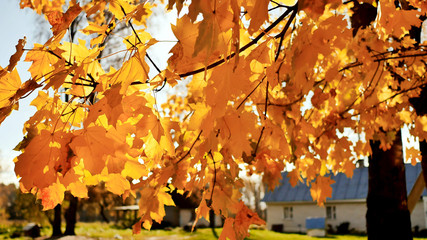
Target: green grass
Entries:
(102, 230)
(108, 231)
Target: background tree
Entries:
(253, 193)
(7, 197)
(27, 207)
(293, 85)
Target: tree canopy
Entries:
(270, 84)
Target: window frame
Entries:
(331, 212)
(288, 212)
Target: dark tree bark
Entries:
(212, 223)
(420, 106)
(388, 216)
(71, 216)
(102, 212)
(56, 222)
(423, 149)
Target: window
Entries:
(288, 213)
(331, 212)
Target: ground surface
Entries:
(102, 231)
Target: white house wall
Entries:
(352, 212)
(418, 216)
(275, 215)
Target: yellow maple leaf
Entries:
(116, 184)
(133, 70)
(9, 84)
(78, 189)
(321, 189)
(43, 61)
(118, 6)
(134, 169)
(287, 2)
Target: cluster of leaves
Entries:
(271, 83)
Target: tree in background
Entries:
(27, 207)
(7, 197)
(269, 83)
(252, 194)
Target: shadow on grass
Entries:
(214, 232)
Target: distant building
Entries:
(180, 215)
(288, 207)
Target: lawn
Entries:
(97, 230)
(108, 231)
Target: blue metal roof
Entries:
(343, 189)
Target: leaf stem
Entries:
(253, 90)
(189, 150)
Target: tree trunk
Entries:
(423, 149)
(387, 216)
(420, 106)
(212, 223)
(56, 223)
(102, 212)
(71, 216)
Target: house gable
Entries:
(355, 188)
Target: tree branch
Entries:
(282, 34)
(189, 150)
(251, 43)
(209, 203)
(136, 35)
(253, 90)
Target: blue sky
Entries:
(15, 24)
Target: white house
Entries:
(288, 207)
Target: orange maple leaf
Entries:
(51, 196)
(45, 156)
(61, 21)
(238, 228)
(92, 144)
(414, 155)
(15, 57)
(321, 189)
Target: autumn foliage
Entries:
(270, 84)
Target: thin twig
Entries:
(257, 144)
(251, 43)
(189, 150)
(253, 90)
(282, 34)
(136, 34)
(214, 180)
(266, 101)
